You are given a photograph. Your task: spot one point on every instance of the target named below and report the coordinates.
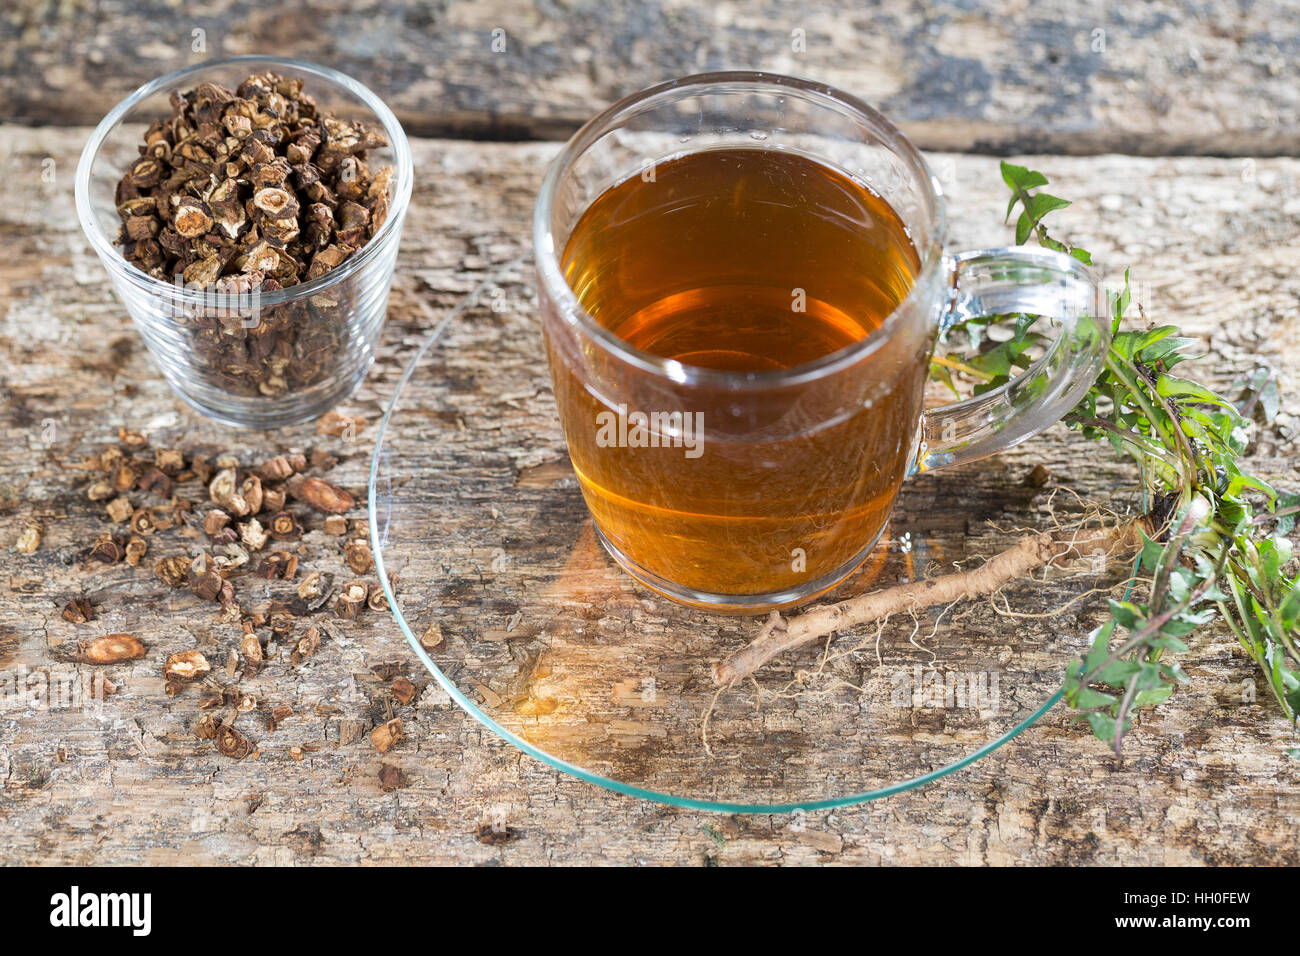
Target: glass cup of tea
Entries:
(743, 277)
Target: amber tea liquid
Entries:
(742, 261)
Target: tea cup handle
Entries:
(1036, 282)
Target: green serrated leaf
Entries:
(1171, 386)
(1240, 482)
(1152, 553)
(1024, 226)
(1088, 697)
(1126, 615)
(1179, 585)
(1166, 641)
(1286, 522)
(1103, 725)
(1125, 297)
(1040, 204)
(1021, 177)
(1152, 336)
(1289, 611)
(1117, 673)
(1156, 695)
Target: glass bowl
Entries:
(203, 342)
(494, 574)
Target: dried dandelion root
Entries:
(1056, 549)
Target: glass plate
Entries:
(502, 589)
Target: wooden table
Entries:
(1174, 134)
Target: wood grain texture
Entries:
(1076, 76)
(1205, 778)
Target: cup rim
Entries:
(556, 286)
(204, 298)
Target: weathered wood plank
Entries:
(1091, 76)
(1205, 779)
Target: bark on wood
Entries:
(1074, 76)
(1205, 779)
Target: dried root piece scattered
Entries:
(174, 571)
(119, 509)
(403, 691)
(391, 778)
(351, 600)
(284, 526)
(281, 467)
(249, 510)
(357, 555)
(208, 585)
(29, 539)
(187, 666)
(340, 425)
(78, 611)
(135, 550)
(386, 736)
(232, 743)
(279, 715)
(205, 728)
(493, 833)
(306, 646)
(432, 639)
(112, 649)
(106, 550)
(320, 495)
(251, 650)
